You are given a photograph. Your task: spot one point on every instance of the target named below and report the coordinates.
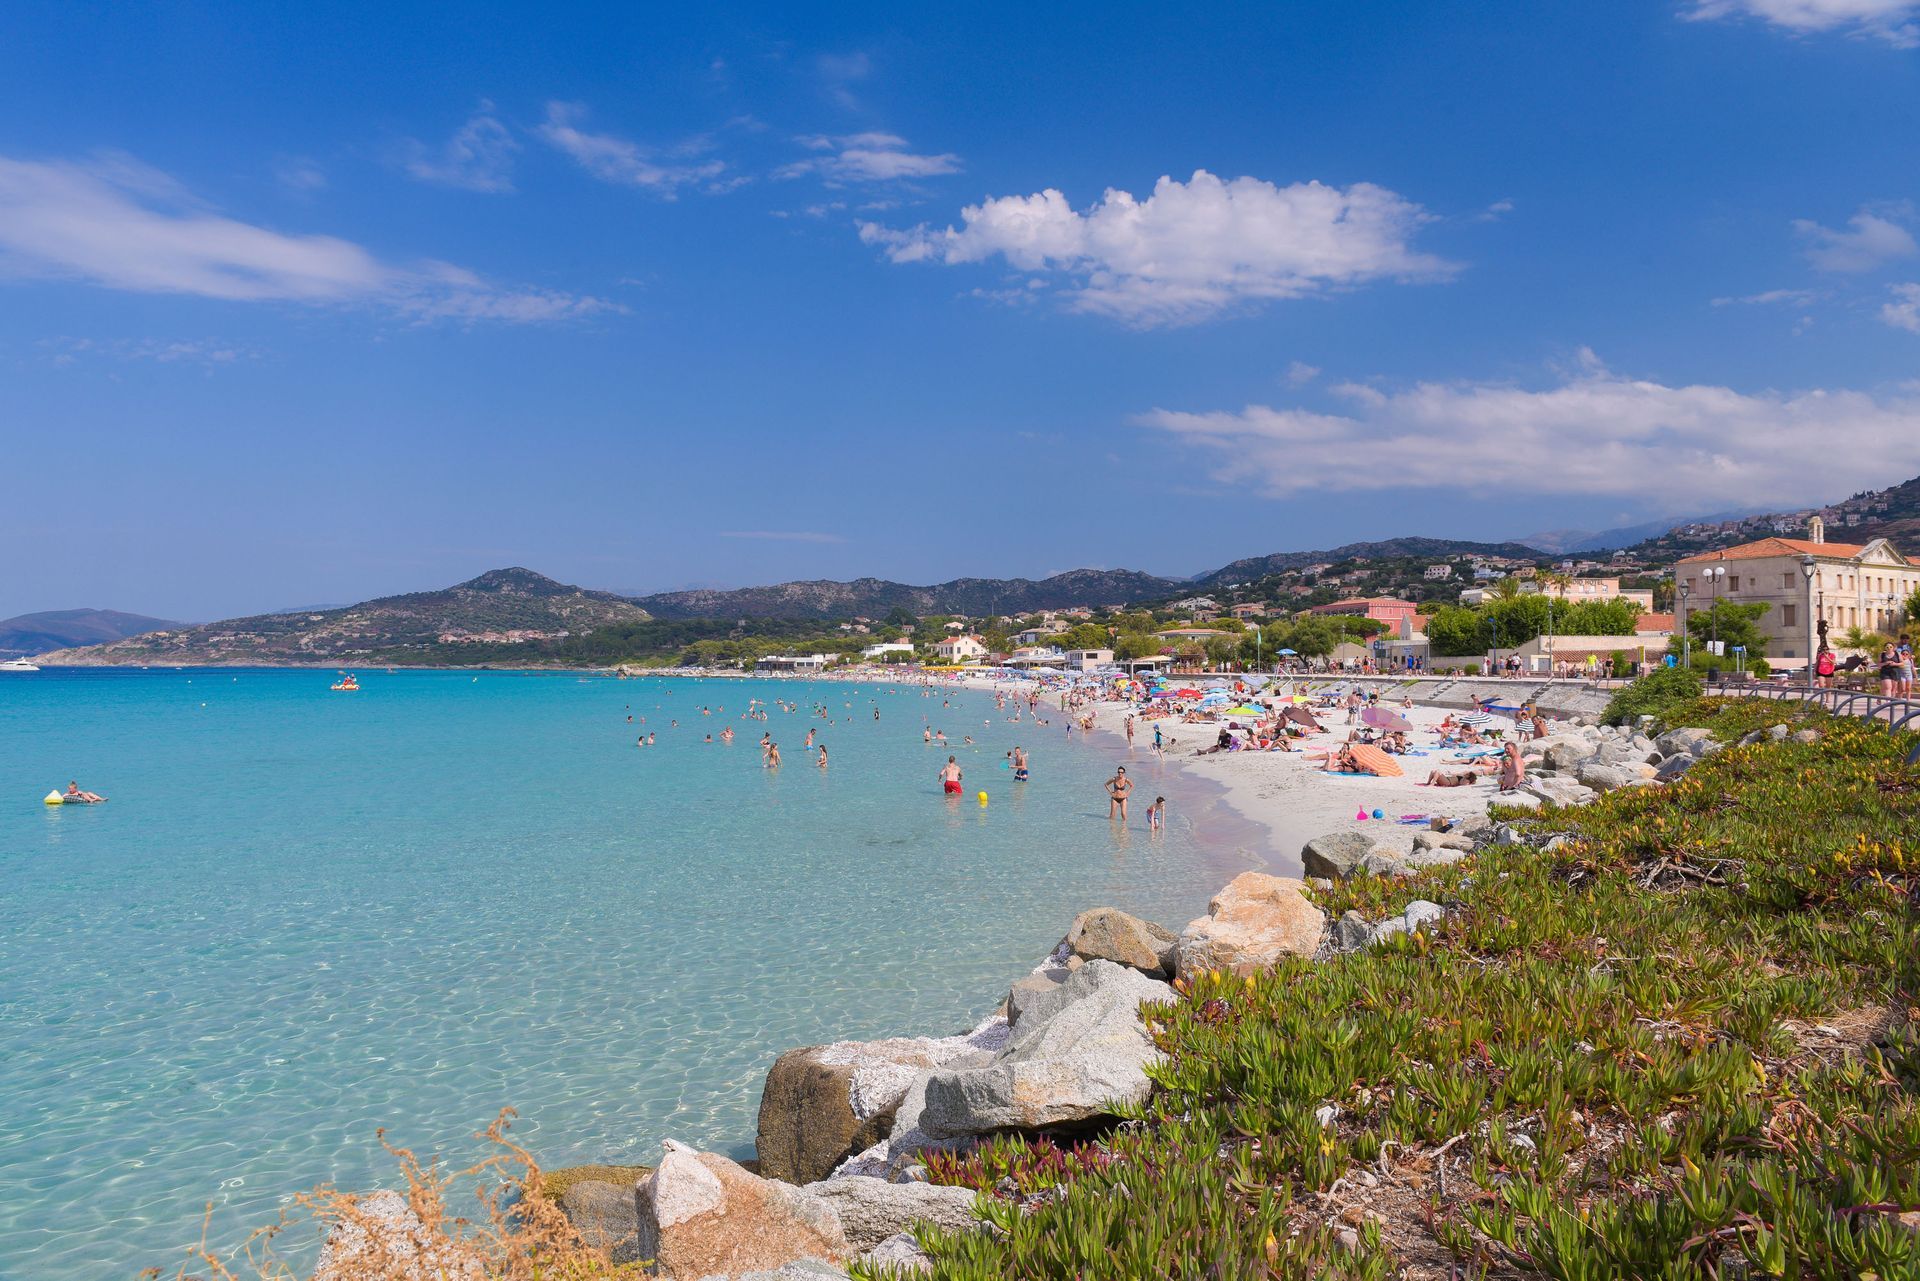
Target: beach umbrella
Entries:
(1289, 653)
(1473, 718)
(1381, 718)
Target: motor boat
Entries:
(17, 665)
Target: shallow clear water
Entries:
(305, 915)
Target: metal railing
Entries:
(1895, 712)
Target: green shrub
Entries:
(1658, 693)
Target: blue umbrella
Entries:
(1290, 653)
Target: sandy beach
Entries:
(1288, 794)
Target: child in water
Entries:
(1156, 814)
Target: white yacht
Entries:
(17, 665)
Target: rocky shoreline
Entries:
(846, 1130)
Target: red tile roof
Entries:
(1779, 547)
(1654, 623)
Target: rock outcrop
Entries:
(1250, 925)
(700, 1214)
(384, 1238)
(1068, 1062)
(872, 1210)
(1108, 934)
(823, 1103)
(607, 1217)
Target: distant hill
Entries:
(1253, 568)
(497, 608)
(1892, 513)
(31, 634)
(1566, 542)
(875, 597)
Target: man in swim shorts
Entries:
(1019, 764)
(950, 777)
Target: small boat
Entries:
(346, 684)
(17, 665)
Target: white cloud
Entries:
(1597, 433)
(783, 535)
(161, 351)
(1871, 243)
(1793, 297)
(618, 160)
(299, 174)
(1893, 21)
(1190, 249)
(479, 156)
(1300, 373)
(121, 225)
(866, 157)
(1904, 311)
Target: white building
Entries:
(793, 662)
(962, 649)
(1085, 660)
(1862, 585)
(1436, 572)
(879, 652)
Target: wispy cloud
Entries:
(1904, 311)
(1772, 297)
(620, 160)
(207, 353)
(839, 72)
(1595, 433)
(300, 174)
(1191, 249)
(478, 157)
(1300, 373)
(1869, 242)
(866, 157)
(783, 535)
(1895, 21)
(118, 224)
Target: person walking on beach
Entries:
(950, 777)
(1129, 731)
(1119, 788)
(1158, 745)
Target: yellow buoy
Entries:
(54, 798)
(983, 798)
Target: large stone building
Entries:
(1864, 585)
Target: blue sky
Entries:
(307, 307)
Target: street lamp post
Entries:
(1686, 632)
(1807, 571)
(1713, 574)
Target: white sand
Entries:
(1290, 795)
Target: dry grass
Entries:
(518, 1233)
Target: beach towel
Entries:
(1374, 761)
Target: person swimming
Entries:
(74, 796)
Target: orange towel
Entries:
(1374, 761)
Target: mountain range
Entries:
(498, 607)
(60, 628)
(505, 606)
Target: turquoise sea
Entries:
(305, 915)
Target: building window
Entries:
(1786, 580)
(1786, 616)
(1733, 583)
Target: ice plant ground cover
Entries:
(1680, 1040)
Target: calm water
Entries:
(305, 915)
